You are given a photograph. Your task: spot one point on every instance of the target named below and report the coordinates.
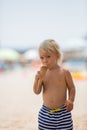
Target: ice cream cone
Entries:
(43, 72)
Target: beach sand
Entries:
(19, 106)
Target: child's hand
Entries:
(69, 105)
(38, 75)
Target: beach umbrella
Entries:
(9, 54)
(31, 54)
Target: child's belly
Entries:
(54, 101)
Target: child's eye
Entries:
(48, 56)
(41, 58)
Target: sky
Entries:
(26, 23)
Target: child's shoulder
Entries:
(67, 74)
(65, 71)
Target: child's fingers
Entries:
(37, 76)
(69, 106)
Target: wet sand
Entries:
(19, 105)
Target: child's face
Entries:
(48, 58)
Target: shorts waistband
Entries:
(55, 110)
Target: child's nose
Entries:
(45, 60)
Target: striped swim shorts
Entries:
(54, 119)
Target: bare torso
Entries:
(54, 88)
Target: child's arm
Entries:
(37, 87)
(71, 91)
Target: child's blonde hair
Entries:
(51, 45)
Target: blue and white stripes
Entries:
(60, 120)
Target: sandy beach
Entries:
(19, 105)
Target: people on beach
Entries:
(57, 87)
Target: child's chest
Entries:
(54, 79)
